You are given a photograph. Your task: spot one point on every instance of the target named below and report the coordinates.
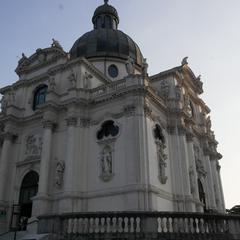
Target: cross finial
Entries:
(106, 1)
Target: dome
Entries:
(106, 43)
(106, 40)
(105, 9)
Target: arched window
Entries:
(158, 133)
(39, 96)
(28, 190)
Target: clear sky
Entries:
(208, 31)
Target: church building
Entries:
(89, 131)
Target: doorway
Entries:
(29, 188)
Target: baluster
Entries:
(170, 220)
(126, 229)
(96, 230)
(120, 228)
(201, 226)
(108, 224)
(69, 229)
(197, 227)
(138, 228)
(167, 224)
(91, 225)
(132, 225)
(114, 226)
(86, 226)
(164, 221)
(181, 225)
(192, 230)
(75, 225)
(80, 222)
(175, 225)
(102, 227)
(159, 222)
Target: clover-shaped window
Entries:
(108, 129)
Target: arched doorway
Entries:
(202, 197)
(29, 188)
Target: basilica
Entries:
(90, 143)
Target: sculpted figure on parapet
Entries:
(130, 66)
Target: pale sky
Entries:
(207, 31)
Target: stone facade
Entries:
(132, 142)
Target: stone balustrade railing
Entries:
(160, 223)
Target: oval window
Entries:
(113, 71)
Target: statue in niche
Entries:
(192, 180)
(161, 161)
(130, 66)
(33, 145)
(106, 163)
(59, 174)
(86, 80)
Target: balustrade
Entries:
(141, 223)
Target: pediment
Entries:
(40, 58)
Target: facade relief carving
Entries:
(192, 180)
(199, 164)
(87, 80)
(161, 156)
(59, 173)
(130, 66)
(106, 163)
(129, 110)
(106, 137)
(72, 78)
(33, 146)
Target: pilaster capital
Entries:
(8, 136)
(72, 121)
(48, 124)
(84, 122)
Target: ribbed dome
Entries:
(105, 9)
(105, 40)
(106, 43)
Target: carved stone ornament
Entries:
(60, 167)
(130, 66)
(161, 156)
(4, 104)
(145, 68)
(129, 110)
(192, 180)
(33, 146)
(72, 79)
(86, 80)
(52, 83)
(106, 163)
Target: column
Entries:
(66, 201)
(5, 159)
(41, 201)
(69, 171)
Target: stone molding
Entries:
(85, 122)
(72, 121)
(48, 124)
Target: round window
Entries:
(113, 71)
